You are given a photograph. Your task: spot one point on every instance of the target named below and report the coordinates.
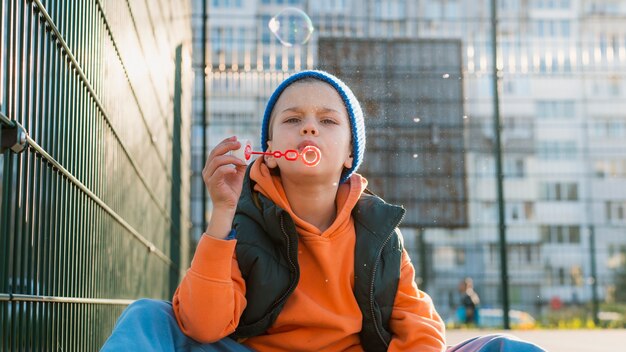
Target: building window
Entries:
(519, 211)
(557, 150)
(514, 167)
(616, 211)
(610, 168)
(561, 275)
(446, 256)
(551, 4)
(552, 28)
(602, 8)
(223, 38)
(451, 9)
(522, 254)
(555, 109)
(608, 127)
(510, 5)
(227, 3)
(549, 275)
(265, 36)
(560, 234)
(459, 256)
(327, 5)
(390, 9)
(276, 2)
(216, 39)
(558, 191)
(489, 211)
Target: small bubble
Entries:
(414, 156)
(446, 75)
(326, 280)
(417, 119)
(364, 264)
(464, 116)
(291, 26)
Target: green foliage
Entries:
(612, 316)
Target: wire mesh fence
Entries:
(94, 166)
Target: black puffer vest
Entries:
(267, 253)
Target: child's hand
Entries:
(222, 180)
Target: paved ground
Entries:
(557, 340)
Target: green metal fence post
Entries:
(175, 207)
(497, 129)
(85, 208)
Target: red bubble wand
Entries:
(310, 155)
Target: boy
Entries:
(296, 258)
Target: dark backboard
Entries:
(411, 92)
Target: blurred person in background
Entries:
(469, 302)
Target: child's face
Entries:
(311, 113)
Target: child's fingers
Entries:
(224, 147)
(241, 167)
(222, 160)
(223, 176)
(222, 171)
(221, 149)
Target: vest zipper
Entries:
(293, 266)
(380, 252)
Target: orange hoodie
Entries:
(322, 313)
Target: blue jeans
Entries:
(150, 325)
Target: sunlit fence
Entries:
(94, 106)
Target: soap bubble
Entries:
(291, 26)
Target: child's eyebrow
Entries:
(321, 109)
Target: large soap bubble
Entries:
(291, 26)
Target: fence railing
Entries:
(93, 215)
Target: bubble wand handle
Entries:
(311, 155)
(289, 154)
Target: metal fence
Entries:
(94, 115)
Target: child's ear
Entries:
(270, 161)
(348, 162)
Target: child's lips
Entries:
(305, 144)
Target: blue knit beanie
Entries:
(357, 125)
